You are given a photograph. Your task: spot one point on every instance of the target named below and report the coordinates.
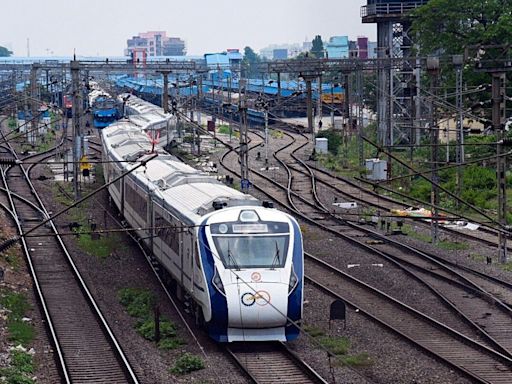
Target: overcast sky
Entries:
(101, 27)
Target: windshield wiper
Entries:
(232, 259)
(277, 260)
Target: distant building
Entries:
(280, 54)
(306, 46)
(372, 49)
(156, 43)
(362, 47)
(292, 50)
(234, 56)
(337, 47)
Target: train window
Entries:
(137, 202)
(252, 251)
(168, 232)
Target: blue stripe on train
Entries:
(218, 326)
(295, 299)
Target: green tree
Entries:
(249, 63)
(4, 52)
(448, 26)
(317, 49)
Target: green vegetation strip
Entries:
(21, 333)
(139, 303)
(338, 346)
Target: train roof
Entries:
(189, 191)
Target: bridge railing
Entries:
(390, 8)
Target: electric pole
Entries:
(32, 135)
(496, 60)
(458, 61)
(498, 118)
(433, 70)
(244, 152)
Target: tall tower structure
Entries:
(398, 106)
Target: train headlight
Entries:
(294, 281)
(217, 282)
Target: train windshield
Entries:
(252, 251)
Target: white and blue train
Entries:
(238, 261)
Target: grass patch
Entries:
(20, 370)
(359, 360)
(411, 232)
(15, 302)
(336, 345)
(12, 259)
(168, 344)
(507, 266)
(276, 134)
(101, 247)
(223, 129)
(313, 331)
(187, 363)
(61, 197)
(147, 330)
(452, 246)
(478, 258)
(20, 332)
(139, 303)
(22, 361)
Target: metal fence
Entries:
(390, 8)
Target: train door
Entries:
(187, 258)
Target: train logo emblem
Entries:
(256, 276)
(261, 298)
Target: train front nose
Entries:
(262, 305)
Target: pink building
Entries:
(156, 43)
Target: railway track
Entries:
(272, 363)
(86, 348)
(475, 359)
(305, 196)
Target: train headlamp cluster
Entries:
(249, 216)
(217, 283)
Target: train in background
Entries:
(236, 261)
(105, 109)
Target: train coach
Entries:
(237, 261)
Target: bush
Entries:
(22, 361)
(147, 329)
(20, 332)
(21, 366)
(170, 343)
(16, 303)
(187, 363)
(138, 302)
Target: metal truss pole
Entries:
(433, 69)
(75, 86)
(244, 140)
(360, 115)
(458, 61)
(32, 135)
(498, 117)
(309, 101)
